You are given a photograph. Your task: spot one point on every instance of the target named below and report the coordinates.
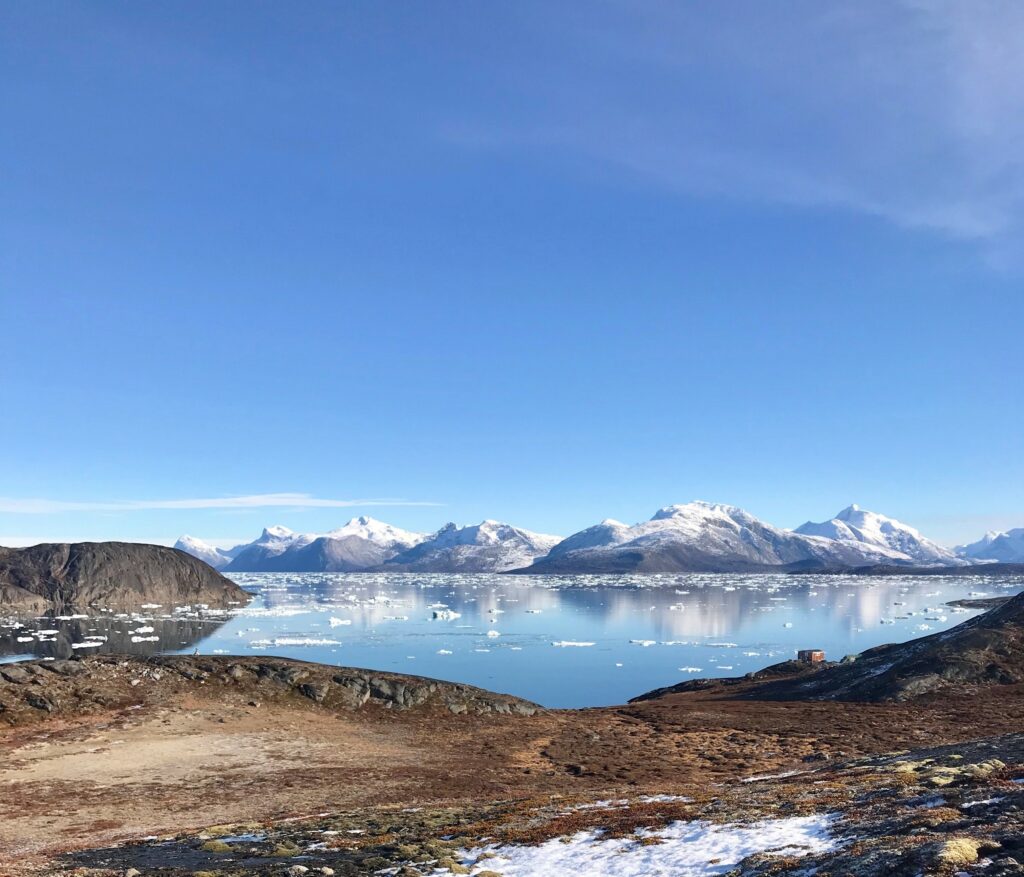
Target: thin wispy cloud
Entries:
(36, 506)
(910, 111)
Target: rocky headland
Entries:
(985, 651)
(117, 576)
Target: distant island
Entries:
(115, 576)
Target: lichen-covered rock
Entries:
(959, 852)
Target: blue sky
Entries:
(546, 263)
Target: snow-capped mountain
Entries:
(854, 524)
(273, 542)
(377, 532)
(704, 537)
(1004, 547)
(360, 544)
(363, 543)
(489, 546)
(608, 532)
(218, 558)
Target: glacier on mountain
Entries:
(854, 524)
(706, 537)
(490, 546)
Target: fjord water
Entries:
(563, 641)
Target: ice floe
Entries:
(293, 641)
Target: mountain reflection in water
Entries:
(49, 637)
(562, 641)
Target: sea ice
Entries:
(292, 641)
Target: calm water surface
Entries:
(561, 641)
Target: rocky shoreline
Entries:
(987, 650)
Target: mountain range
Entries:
(691, 537)
(710, 537)
(368, 544)
(363, 543)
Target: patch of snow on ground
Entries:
(770, 776)
(687, 849)
(662, 799)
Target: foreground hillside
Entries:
(241, 766)
(116, 576)
(939, 810)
